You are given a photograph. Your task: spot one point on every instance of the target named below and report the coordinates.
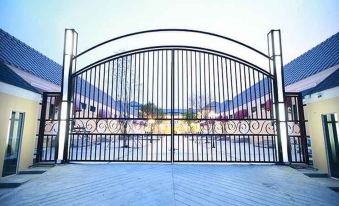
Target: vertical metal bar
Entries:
(107, 83)
(89, 93)
(153, 88)
(187, 106)
(238, 103)
(191, 103)
(50, 148)
(109, 144)
(223, 82)
(172, 105)
(205, 105)
(90, 155)
(241, 77)
(94, 93)
(264, 79)
(215, 107)
(98, 104)
(116, 88)
(73, 113)
(198, 105)
(114, 137)
(260, 94)
(46, 148)
(303, 128)
(42, 127)
(85, 96)
(143, 83)
(157, 79)
(139, 90)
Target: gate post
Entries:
(41, 127)
(70, 48)
(276, 62)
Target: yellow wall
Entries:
(10, 103)
(313, 112)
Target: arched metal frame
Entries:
(207, 136)
(172, 30)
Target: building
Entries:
(24, 75)
(316, 75)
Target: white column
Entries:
(70, 48)
(276, 64)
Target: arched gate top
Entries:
(173, 47)
(173, 30)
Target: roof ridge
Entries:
(18, 40)
(314, 47)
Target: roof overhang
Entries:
(311, 81)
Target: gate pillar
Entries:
(70, 49)
(276, 63)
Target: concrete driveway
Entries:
(165, 184)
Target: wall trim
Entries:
(322, 95)
(36, 81)
(19, 92)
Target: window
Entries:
(92, 108)
(14, 138)
(254, 112)
(254, 109)
(330, 125)
(83, 106)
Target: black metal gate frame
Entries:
(297, 137)
(267, 131)
(47, 144)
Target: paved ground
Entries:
(165, 184)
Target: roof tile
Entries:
(317, 59)
(22, 56)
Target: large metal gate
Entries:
(181, 104)
(172, 104)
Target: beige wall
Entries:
(10, 103)
(313, 112)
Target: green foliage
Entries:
(190, 114)
(151, 110)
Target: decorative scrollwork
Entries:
(293, 128)
(249, 127)
(116, 126)
(51, 127)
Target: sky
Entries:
(41, 24)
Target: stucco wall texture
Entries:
(313, 112)
(9, 103)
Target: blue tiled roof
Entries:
(319, 58)
(328, 83)
(10, 77)
(22, 56)
(259, 89)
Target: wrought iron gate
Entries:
(297, 138)
(47, 143)
(181, 104)
(172, 104)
